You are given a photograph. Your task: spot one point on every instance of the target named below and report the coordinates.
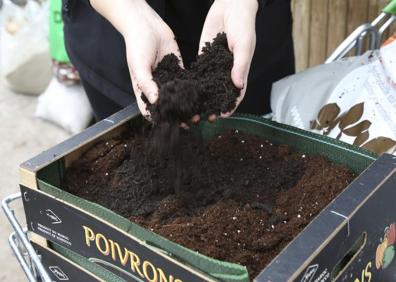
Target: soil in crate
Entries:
(240, 199)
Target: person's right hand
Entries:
(147, 38)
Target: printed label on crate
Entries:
(100, 243)
(59, 269)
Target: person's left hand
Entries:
(237, 18)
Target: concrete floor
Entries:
(22, 136)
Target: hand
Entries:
(147, 38)
(237, 18)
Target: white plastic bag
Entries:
(25, 59)
(66, 106)
(296, 99)
(353, 100)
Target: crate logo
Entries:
(386, 250)
(59, 274)
(310, 273)
(133, 263)
(54, 218)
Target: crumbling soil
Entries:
(205, 88)
(240, 199)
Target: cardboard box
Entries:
(60, 268)
(339, 244)
(344, 239)
(65, 265)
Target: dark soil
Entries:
(241, 199)
(206, 88)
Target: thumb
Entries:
(143, 77)
(243, 54)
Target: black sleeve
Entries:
(68, 6)
(262, 3)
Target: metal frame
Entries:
(18, 240)
(21, 246)
(373, 31)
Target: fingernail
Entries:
(195, 119)
(212, 118)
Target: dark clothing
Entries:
(102, 105)
(97, 49)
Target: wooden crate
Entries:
(321, 25)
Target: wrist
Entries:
(122, 14)
(250, 6)
(130, 15)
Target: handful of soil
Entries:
(205, 89)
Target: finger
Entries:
(196, 119)
(143, 107)
(143, 79)
(243, 53)
(184, 126)
(212, 118)
(170, 47)
(238, 101)
(213, 25)
(226, 115)
(138, 95)
(208, 34)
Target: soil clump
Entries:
(205, 88)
